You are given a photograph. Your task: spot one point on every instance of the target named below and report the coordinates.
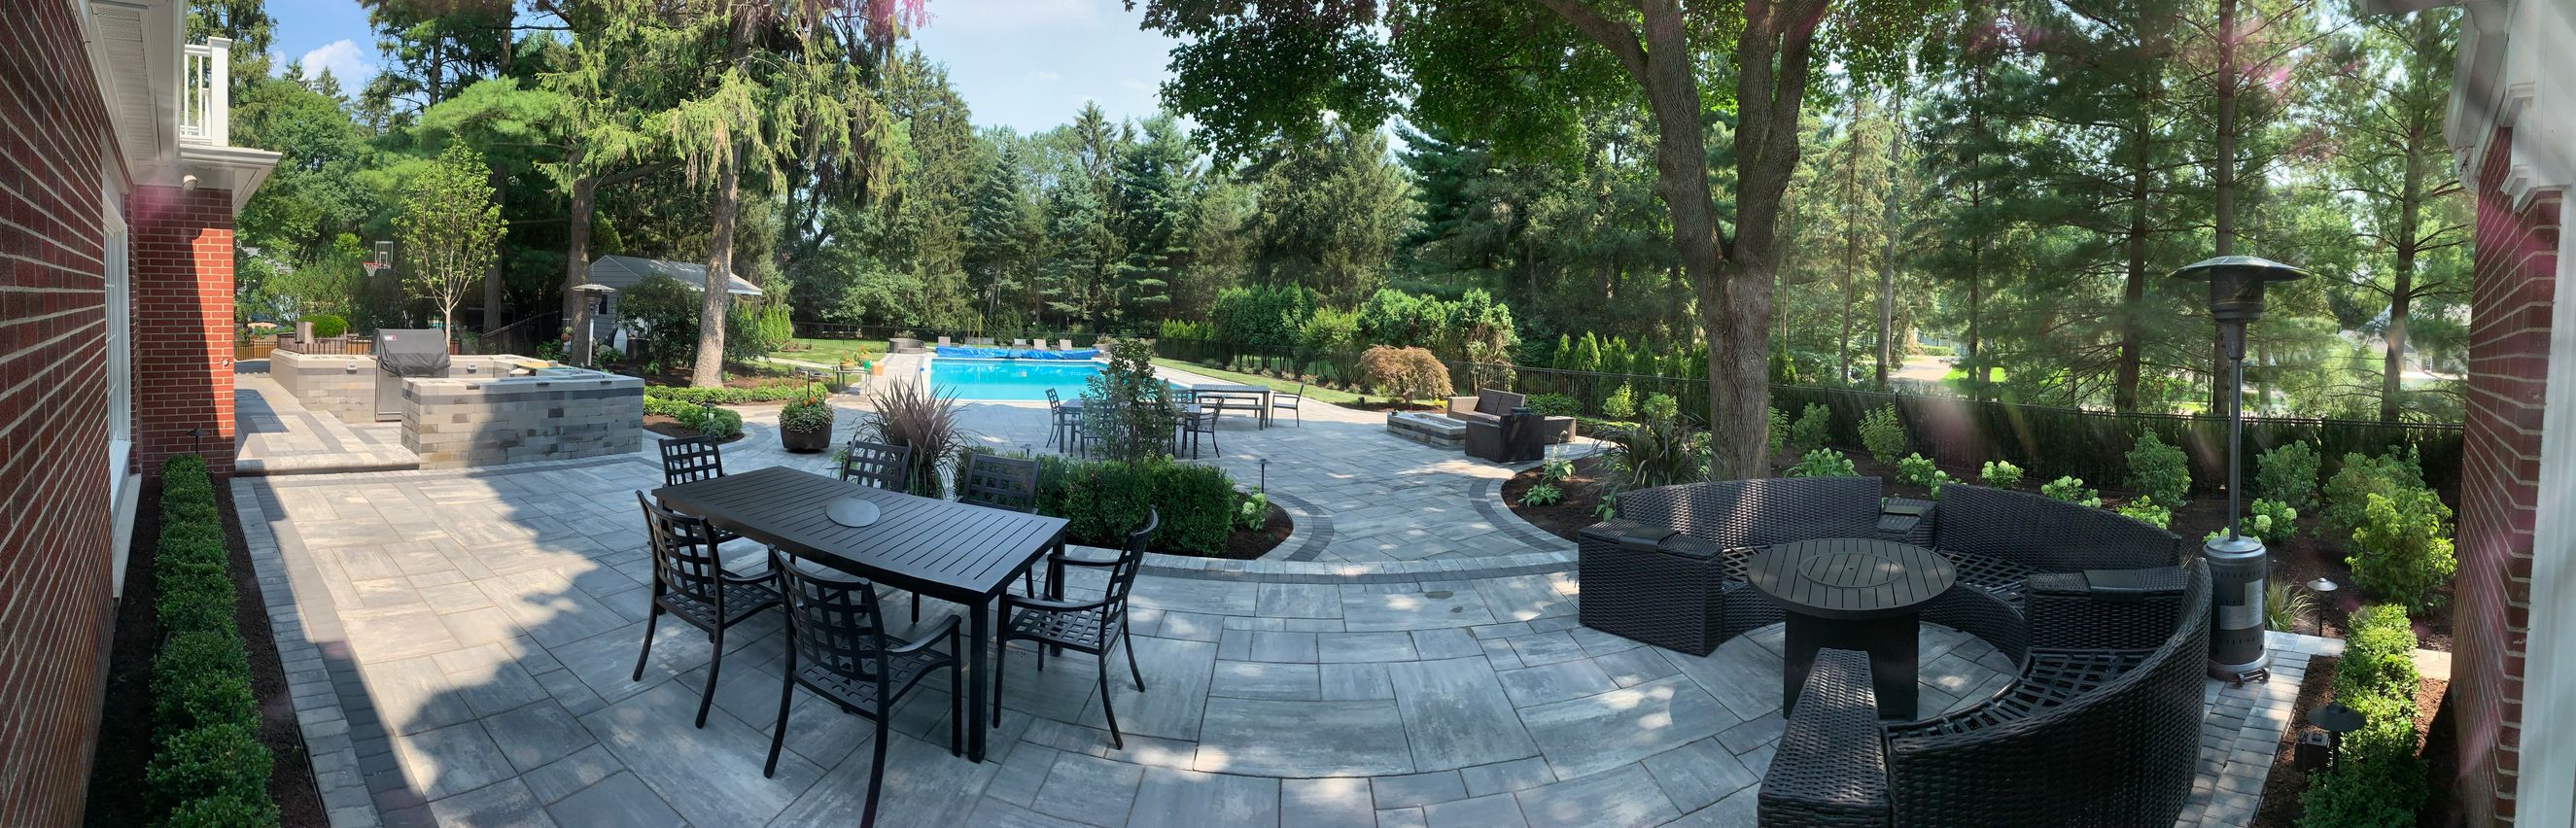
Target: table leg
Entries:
(979, 630)
(1893, 645)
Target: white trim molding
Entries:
(2515, 62)
(2545, 789)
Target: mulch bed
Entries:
(1246, 544)
(2296, 561)
(125, 726)
(2283, 785)
(664, 425)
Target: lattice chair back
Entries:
(1053, 401)
(877, 465)
(691, 459)
(834, 624)
(1122, 576)
(1000, 482)
(685, 561)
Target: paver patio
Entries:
(459, 642)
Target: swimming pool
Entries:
(1009, 379)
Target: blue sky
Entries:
(1025, 64)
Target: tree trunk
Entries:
(2401, 293)
(711, 319)
(1889, 207)
(585, 199)
(1851, 244)
(2224, 176)
(2133, 296)
(492, 278)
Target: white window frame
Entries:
(116, 263)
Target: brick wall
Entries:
(55, 535)
(2510, 304)
(183, 320)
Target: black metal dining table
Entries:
(967, 555)
(1853, 594)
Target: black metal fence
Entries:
(880, 333)
(2046, 441)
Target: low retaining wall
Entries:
(557, 414)
(345, 386)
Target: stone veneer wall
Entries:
(326, 382)
(462, 421)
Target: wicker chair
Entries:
(1996, 538)
(1689, 593)
(2101, 729)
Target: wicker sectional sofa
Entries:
(2102, 729)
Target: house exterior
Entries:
(116, 254)
(2512, 126)
(617, 273)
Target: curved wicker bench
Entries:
(1688, 592)
(2103, 727)
(1996, 538)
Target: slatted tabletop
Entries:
(939, 548)
(1850, 578)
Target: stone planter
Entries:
(805, 442)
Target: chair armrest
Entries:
(1051, 605)
(1068, 560)
(946, 628)
(2121, 609)
(1831, 764)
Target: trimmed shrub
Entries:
(707, 421)
(1813, 426)
(1883, 434)
(726, 395)
(1659, 406)
(2288, 474)
(1555, 405)
(207, 764)
(1104, 499)
(1919, 470)
(2348, 493)
(1823, 462)
(2159, 471)
(2000, 474)
(2071, 490)
(2402, 551)
(1621, 404)
(326, 325)
(2377, 780)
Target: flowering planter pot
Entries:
(805, 442)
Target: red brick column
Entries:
(2516, 261)
(56, 533)
(183, 325)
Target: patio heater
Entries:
(2238, 564)
(593, 300)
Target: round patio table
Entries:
(1852, 594)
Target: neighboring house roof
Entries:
(622, 272)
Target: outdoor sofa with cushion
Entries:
(2102, 727)
(1997, 537)
(1484, 413)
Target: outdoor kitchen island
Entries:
(521, 414)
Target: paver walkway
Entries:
(275, 434)
(458, 644)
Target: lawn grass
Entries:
(830, 351)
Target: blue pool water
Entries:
(1009, 379)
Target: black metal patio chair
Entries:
(691, 583)
(1091, 627)
(691, 459)
(837, 647)
(997, 482)
(877, 465)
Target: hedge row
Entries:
(208, 766)
(2377, 781)
(710, 421)
(727, 395)
(1103, 500)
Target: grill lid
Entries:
(412, 353)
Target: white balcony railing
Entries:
(205, 92)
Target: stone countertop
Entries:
(542, 375)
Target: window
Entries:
(120, 337)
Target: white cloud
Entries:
(1045, 77)
(346, 61)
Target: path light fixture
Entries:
(2335, 720)
(2237, 564)
(2322, 585)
